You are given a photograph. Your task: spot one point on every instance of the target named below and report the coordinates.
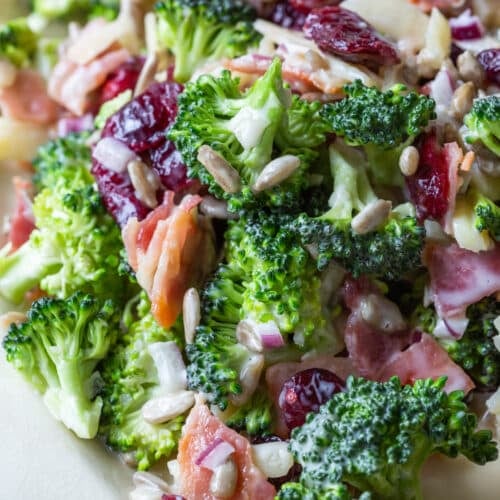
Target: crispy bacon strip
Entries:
(170, 250)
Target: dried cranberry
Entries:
(466, 32)
(124, 78)
(118, 194)
(287, 16)
(305, 392)
(167, 162)
(429, 187)
(142, 123)
(490, 61)
(172, 497)
(306, 6)
(347, 35)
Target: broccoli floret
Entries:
(476, 352)
(255, 417)
(297, 491)
(268, 277)
(375, 436)
(389, 252)
(487, 216)
(248, 130)
(57, 350)
(129, 380)
(483, 123)
(382, 122)
(76, 244)
(18, 43)
(199, 31)
(76, 9)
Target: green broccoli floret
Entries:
(57, 350)
(388, 252)
(76, 244)
(376, 436)
(199, 31)
(475, 351)
(248, 130)
(129, 380)
(487, 215)
(76, 9)
(384, 123)
(297, 491)
(18, 43)
(255, 417)
(483, 123)
(268, 277)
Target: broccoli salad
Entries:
(255, 246)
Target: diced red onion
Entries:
(170, 366)
(442, 88)
(270, 335)
(72, 124)
(466, 26)
(215, 454)
(113, 154)
(451, 327)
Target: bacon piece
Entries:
(27, 99)
(370, 349)
(72, 84)
(426, 359)
(410, 355)
(22, 221)
(277, 374)
(460, 277)
(170, 250)
(202, 429)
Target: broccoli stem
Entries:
(70, 404)
(23, 270)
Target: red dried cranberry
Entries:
(347, 35)
(142, 123)
(172, 497)
(167, 162)
(429, 187)
(305, 392)
(490, 61)
(284, 14)
(118, 194)
(124, 78)
(306, 6)
(466, 32)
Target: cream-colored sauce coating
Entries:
(40, 459)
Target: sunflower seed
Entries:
(191, 313)
(217, 209)
(408, 161)
(276, 171)
(371, 216)
(145, 182)
(224, 174)
(147, 74)
(224, 479)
